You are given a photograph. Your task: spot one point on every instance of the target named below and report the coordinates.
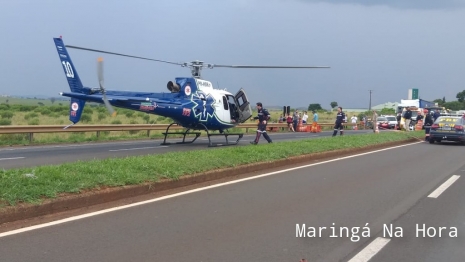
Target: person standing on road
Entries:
(408, 118)
(375, 122)
(304, 118)
(428, 124)
(354, 121)
(295, 119)
(436, 115)
(263, 117)
(340, 117)
(315, 121)
(398, 118)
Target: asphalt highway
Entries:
(29, 156)
(262, 219)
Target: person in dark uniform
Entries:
(339, 121)
(428, 123)
(398, 118)
(263, 117)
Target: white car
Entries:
(392, 121)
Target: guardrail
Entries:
(31, 130)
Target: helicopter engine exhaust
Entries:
(173, 87)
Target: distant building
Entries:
(386, 105)
(354, 109)
(392, 105)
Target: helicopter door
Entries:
(244, 108)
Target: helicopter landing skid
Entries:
(210, 144)
(197, 134)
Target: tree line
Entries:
(459, 104)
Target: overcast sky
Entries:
(386, 46)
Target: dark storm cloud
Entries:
(401, 4)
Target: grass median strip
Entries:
(31, 185)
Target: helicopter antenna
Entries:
(195, 66)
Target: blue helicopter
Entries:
(192, 102)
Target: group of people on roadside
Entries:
(428, 116)
(293, 120)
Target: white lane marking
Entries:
(136, 148)
(369, 251)
(80, 145)
(12, 158)
(110, 143)
(13, 232)
(444, 186)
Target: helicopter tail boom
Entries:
(75, 84)
(72, 76)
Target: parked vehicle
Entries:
(392, 121)
(383, 123)
(448, 128)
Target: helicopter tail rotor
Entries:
(102, 88)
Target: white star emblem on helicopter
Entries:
(206, 108)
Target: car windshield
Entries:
(449, 121)
(391, 118)
(381, 119)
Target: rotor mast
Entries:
(196, 68)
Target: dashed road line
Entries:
(136, 148)
(11, 158)
(444, 186)
(371, 250)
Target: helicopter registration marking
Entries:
(68, 69)
(186, 111)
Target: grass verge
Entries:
(31, 185)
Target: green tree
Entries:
(461, 96)
(315, 107)
(7, 114)
(454, 105)
(333, 104)
(387, 111)
(439, 101)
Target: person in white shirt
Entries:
(304, 118)
(354, 121)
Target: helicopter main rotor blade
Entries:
(254, 66)
(102, 88)
(112, 53)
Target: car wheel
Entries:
(431, 141)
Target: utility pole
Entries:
(369, 108)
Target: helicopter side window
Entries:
(225, 103)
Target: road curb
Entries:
(70, 202)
